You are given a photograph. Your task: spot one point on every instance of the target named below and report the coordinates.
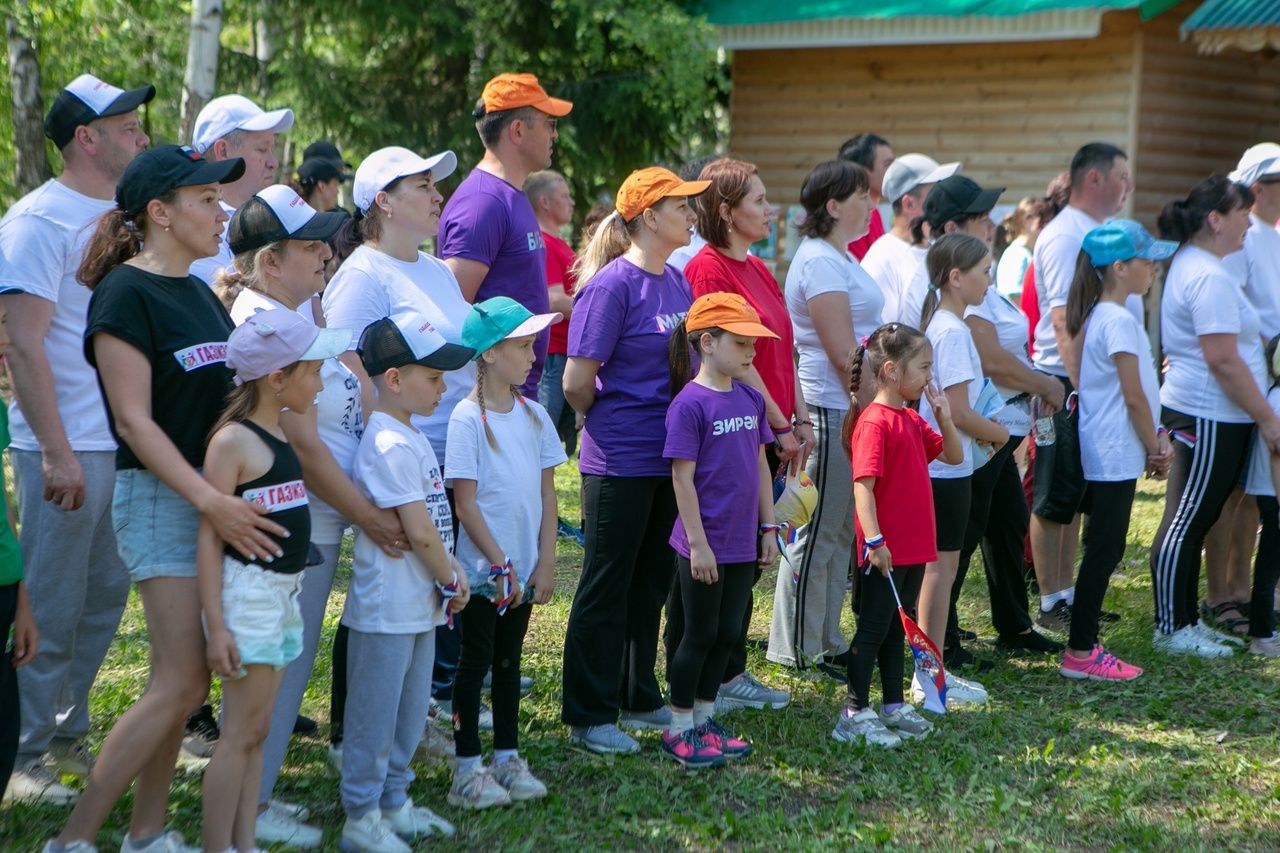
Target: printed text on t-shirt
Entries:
(191, 358)
(728, 425)
(667, 322)
(279, 497)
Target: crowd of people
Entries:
(217, 377)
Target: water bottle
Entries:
(1042, 430)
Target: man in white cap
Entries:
(234, 126)
(896, 259)
(62, 452)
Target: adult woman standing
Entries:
(732, 214)
(617, 377)
(1211, 398)
(832, 303)
(157, 338)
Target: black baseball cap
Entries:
(85, 99)
(325, 150)
(322, 169)
(408, 338)
(958, 197)
(278, 213)
(164, 168)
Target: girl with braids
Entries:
(717, 429)
(1120, 435)
(503, 452)
(890, 447)
(959, 267)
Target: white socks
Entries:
(681, 721)
(1048, 601)
(502, 756)
(703, 711)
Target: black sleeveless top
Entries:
(282, 492)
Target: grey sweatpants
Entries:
(78, 587)
(806, 615)
(317, 582)
(388, 694)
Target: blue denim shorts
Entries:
(155, 527)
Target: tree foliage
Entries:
(644, 77)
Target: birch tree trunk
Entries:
(31, 166)
(201, 77)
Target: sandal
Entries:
(1216, 616)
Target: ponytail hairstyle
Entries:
(1183, 219)
(680, 347)
(245, 273)
(950, 252)
(116, 239)
(241, 402)
(363, 226)
(896, 342)
(482, 370)
(1087, 287)
(610, 239)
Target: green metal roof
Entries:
(1234, 15)
(748, 12)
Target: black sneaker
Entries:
(201, 736)
(1058, 619)
(832, 671)
(1108, 616)
(304, 726)
(958, 656)
(966, 636)
(1033, 642)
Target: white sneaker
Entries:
(477, 790)
(293, 810)
(514, 775)
(170, 842)
(410, 822)
(371, 834)
(71, 847)
(1268, 647)
(864, 725)
(37, 782)
(1222, 638)
(277, 826)
(962, 691)
(1188, 641)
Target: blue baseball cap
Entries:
(1124, 240)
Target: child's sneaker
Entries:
(906, 722)
(1188, 641)
(689, 749)
(514, 775)
(410, 822)
(718, 737)
(605, 739)
(371, 834)
(962, 691)
(71, 847)
(1268, 647)
(865, 725)
(658, 719)
(477, 789)
(1100, 665)
(168, 842)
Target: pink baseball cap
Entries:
(272, 340)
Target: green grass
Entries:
(1186, 758)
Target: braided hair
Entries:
(896, 342)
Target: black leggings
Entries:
(1111, 504)
(712, 624)
(489, 640)
(1266, 570)
(880, 638)
(1208, 457)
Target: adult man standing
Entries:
(62, 453)
(872, 153)
(1100, 184)
(234, 126)
(489, 234)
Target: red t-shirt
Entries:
(875, 230)
(559, 260)
(896, 446)
(1030, 306)
(710, 271)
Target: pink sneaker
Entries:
(1100, 665)
(718, 737)
(690, 750)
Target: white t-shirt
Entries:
(508, 480)
(1258, 480)
(207, 269)
(1013, 267)
(1257, 265)
(371, 285)
(955, 360)
(1011, 332)
(339, 421)
(818, 268)
(42, 240)
(894, 264)
(681, 256)
(1202, 298)
(394, 466)
(1110, 449)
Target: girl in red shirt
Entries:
(890, 447)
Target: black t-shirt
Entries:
(182, 329)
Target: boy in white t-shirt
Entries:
(394, 604)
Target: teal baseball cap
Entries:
(1124, 240)
(494, 320)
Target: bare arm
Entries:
(864, 504)
(768, 538)
(579, 383)
(559, 300)
(1222, 356)
(425, 542)
(1135, 401)
(222, 470)
(833, 323)
(1007, 370)
(702, 560)
(470, 275)
(970, 422)
(1068, 347)
(469, 516)
(543, 579)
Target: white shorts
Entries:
(260, 609)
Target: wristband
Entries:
(765, 528)
(873, 542)
(780, 431)
(800, 423)
(501, 579)
(1161, 430)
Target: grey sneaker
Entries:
(515, 776)
(605, 740)
(745, 692)
(658, 720)
(864, 725)
(72, 757)
(37, 782)
(1268, 647)
(1058, 619)
(477, 789)
(444, 708)
(906, 722)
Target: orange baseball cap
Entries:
(512, 91)
(727, 311)
(644, 188)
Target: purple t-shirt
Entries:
(722, 432)
(623, 319)
(491, 222)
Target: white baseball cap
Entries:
(1260, 160)
(909, 171)
(388, 164)
(279, 213)
(235, 112)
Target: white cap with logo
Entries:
(389, 164)
(235, 112)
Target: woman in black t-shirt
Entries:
(157, 338)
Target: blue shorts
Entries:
(155, 527)
(260, 609)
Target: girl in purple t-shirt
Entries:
(716, 432)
